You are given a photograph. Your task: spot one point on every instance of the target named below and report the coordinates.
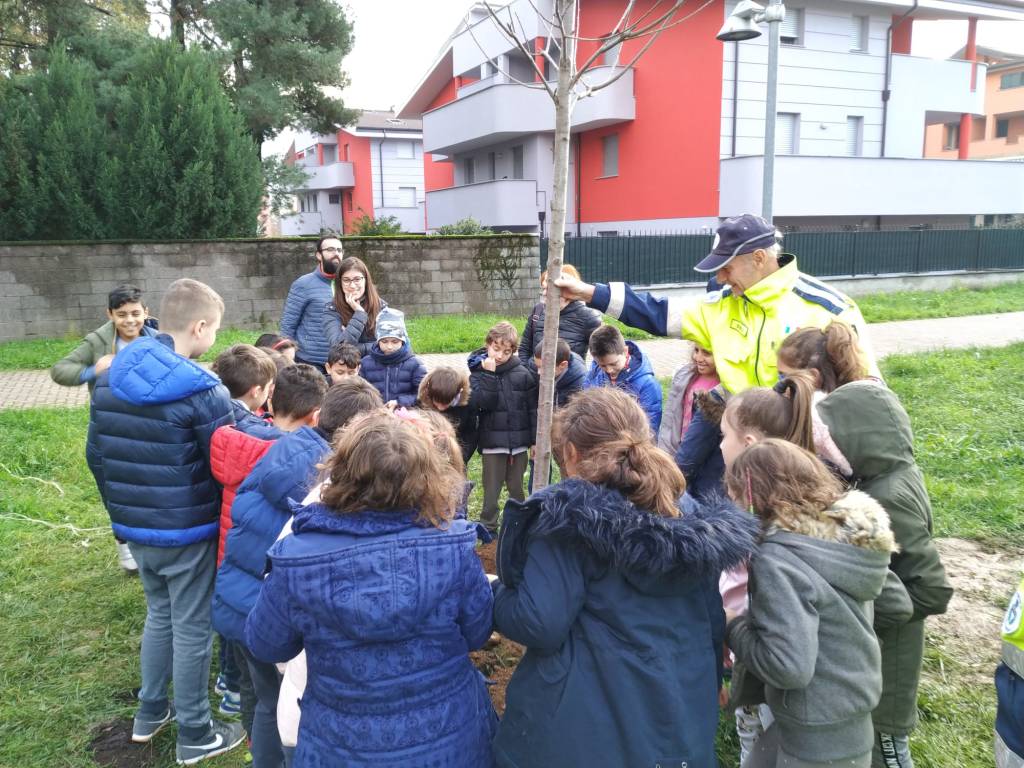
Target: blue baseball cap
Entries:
(740, 234)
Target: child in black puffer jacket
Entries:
(504, 396)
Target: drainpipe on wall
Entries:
(579, 191)
(886, 92)
(380, 167)
(735, 91)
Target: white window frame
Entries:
(405, 150)
(794, 148)
(855, 131)
(610, 156)
(468, 170)
(519, 161)
(404, 196)
(860, 34)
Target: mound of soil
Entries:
(112, 746)
(499, 661)
(983, 580)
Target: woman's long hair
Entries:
(370, 300)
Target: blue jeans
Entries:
(177, 640)
(227, 664)
(266, 740)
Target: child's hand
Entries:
(730, 615)
(103, 363)
(391, 405)
(723, 697)
(488, 364)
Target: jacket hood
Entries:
(478, 356)
(399, 355)
(702, 541)
(149, 372)
(290, 465)
(870, 428)
(849, 545)
(638, 364)
(574, 374)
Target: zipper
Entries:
(757, 351)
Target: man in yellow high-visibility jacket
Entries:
(764, 299)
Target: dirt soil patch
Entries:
(498, 661)
(112, 746)
(984, 579)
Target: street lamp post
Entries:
(742, 25)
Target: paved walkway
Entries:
(29, 389)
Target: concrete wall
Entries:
(51, 290)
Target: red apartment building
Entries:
(677, 142)
(373, 168)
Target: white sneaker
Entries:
(124, 557)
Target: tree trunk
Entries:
(564, 102)
(177, 14)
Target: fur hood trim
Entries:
(855, 519)
(703, 540)
(712, 403)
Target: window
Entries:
(854, 135)
(607, 233)
(467, 171)
(492, 165)
(791, 30)
(859, 33)
(1002, 127)
(610, 155)
(407, 197)
(952, 136)
(334, 198)
(405, 150)
(1012, 80)
(330, 154)
(348, 198)
(517, 162)
(308, 202)
(346, 153)
(787, 133)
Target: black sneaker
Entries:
(144, 729)
(222, 737)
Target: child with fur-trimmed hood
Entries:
(819, 575)
(612, 585)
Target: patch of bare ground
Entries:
(112, 746)
(983, 579)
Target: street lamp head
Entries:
(742, 22)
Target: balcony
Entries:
(502, 203)
(483, 41)
(928, 91)
(310, 223)
(872, 186)
(502, 111)
(332, 176)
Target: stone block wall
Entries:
(59, 289)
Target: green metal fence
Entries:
(658, 259)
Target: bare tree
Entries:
(576, 80)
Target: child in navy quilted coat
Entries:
(381, 587)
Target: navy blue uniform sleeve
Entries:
(673, 317)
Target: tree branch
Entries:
(510, 35)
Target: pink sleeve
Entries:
(733, 587)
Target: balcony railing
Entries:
(503, 111)
(500, 203)
(332, 176)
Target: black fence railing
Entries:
(658, 259)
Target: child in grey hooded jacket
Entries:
(822, 565)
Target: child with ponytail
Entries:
(822, 562)
(872, 432)
(612, 586)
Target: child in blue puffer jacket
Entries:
(391, 366)
(382, 588)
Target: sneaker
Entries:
(231, 703)
(220, 687)
(221, 738)
(144, 730)
(124, 557)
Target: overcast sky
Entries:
(396, 41)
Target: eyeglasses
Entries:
(330, 250)
(352, 280)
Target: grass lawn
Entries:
(72, 622)
(957, 302)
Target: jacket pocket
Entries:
(554, 667)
